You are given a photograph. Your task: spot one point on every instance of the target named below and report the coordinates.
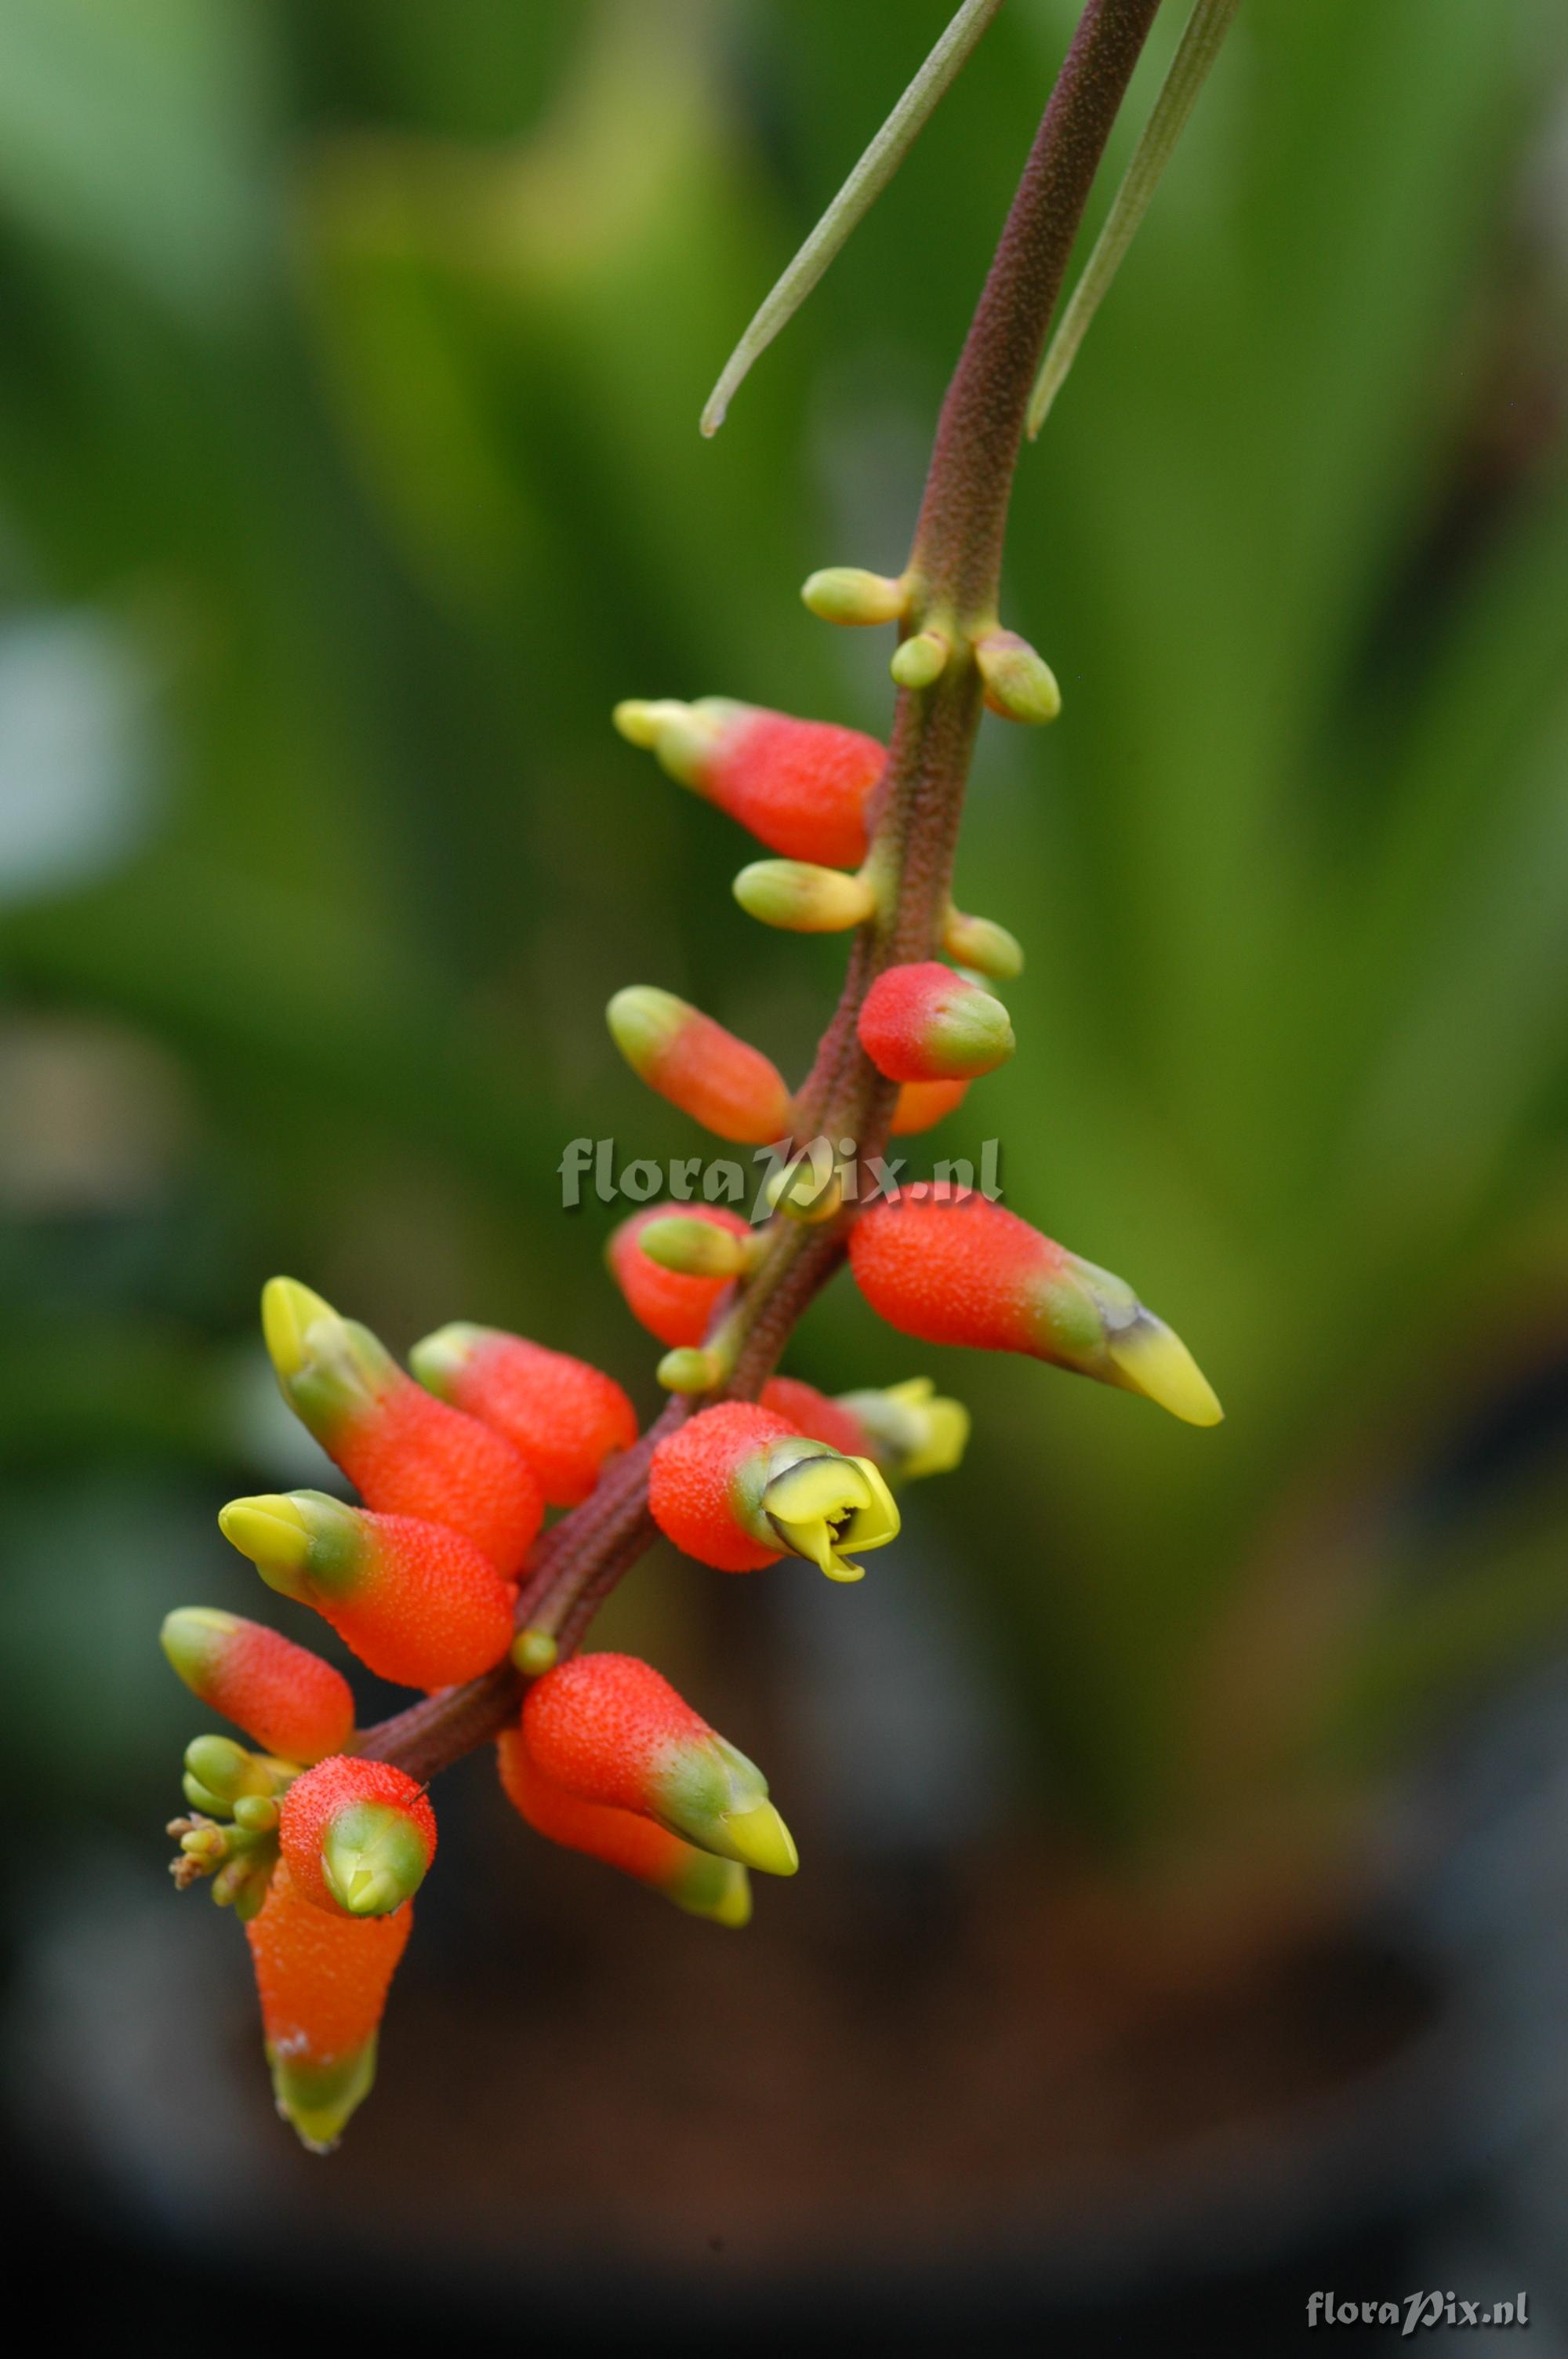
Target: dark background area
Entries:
(1185, 1917)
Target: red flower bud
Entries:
(806, 1410)
(566, 1417)
(285, 1697)
(722, 1082)
(735, 1488)
(924, 1023)
(801, 787)
(323, 1981)
(610, 1730)
(417, 1601)
(949, 1267)
(409, 1454)
(669, 1303)
(921, 1105)
(356, 1836)
(694, 1880)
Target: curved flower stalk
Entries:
(443, 1578)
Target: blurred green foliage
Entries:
(349, 473)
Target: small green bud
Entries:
(802, 899)
(845, 593)
(691, 1369)
(807, 1189)
(1020, 684)
(693, 1249)
(979, 943)
(534, 1652)
(251, 1896)
(920, 661)
(226, 1769)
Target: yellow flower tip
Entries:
(913, 1432)
(644, 1022)
(439, 1360)
(840, 1569)
(760, 1840)
(1149, 1358)
(190, 1637)
(921, 660)
(288, 1312)
(822, 1505)
(733, 1906)
(718, 1889)
(640, 720)
(947, 1436)
(273, 1530)
(320, 2100)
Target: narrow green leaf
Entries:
(854, 199)
(1200, 45)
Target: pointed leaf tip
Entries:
(854, 200)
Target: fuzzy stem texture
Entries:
(955, 571)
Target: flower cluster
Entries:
(443, 1579)
(318, 1848)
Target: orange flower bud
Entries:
(801, 787)
(323, 1981)
(949, 1267)
(409, 1454)
(722, 1082)
(285, 1697)
(924, 1023)
(610, 1730)
(566, 1417)
(672, 1304)
(356, 1836)
(418, 1602)
(694, 1880)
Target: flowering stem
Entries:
(954, 573)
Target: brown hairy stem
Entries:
(955, 570)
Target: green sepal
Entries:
(319, 2101)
